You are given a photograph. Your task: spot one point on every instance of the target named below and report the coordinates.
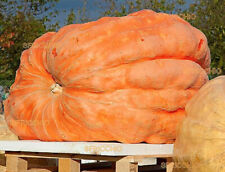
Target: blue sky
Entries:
(93, 7)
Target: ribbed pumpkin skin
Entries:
(200, 145)
(126, 79)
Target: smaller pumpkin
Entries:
(5, 133)
(200, 144)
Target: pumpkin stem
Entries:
(56, 89)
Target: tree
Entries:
(21, 22)
(210, 20)
(80, 16)
(71, 17)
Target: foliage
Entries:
(71, 17)
(21, 22)
(210, 20)
(80, 16)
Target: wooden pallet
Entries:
(69, 154)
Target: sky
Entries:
(93, 8)
(92, 5)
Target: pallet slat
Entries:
(69, 165)
(16, 164)
(126, 157)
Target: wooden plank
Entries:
(134, 167)
(97, 157)
(38, 155)
(122, 161)
(2, 159)
(122, 166)
(39, 170)
(79, 156)
(54, 155)
(2, 168)
(99, 170)
(169, 165)
(126, 165)
(89, 148)
(16, 164)
(146, 161)
(69, 165)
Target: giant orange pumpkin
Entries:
(126, 79)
